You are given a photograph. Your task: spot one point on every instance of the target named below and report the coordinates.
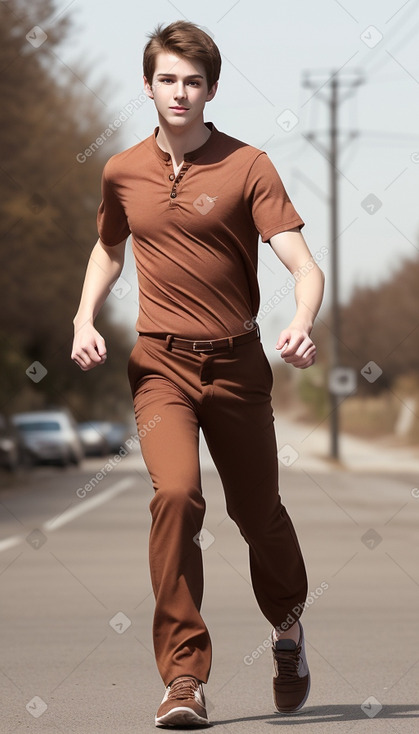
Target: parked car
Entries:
(50, 436)
(102, 437)
(116, 434)
(11, 454)
(93, 438)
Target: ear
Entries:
(147, 88)
(212, 91)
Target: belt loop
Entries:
(230, 342)
(169, 339)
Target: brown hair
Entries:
(187, 41)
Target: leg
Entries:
(181, 640)
(237, 422)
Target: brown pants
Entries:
(227, 393)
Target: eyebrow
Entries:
(190, 76)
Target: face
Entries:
(179, 89)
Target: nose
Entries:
(179, 91)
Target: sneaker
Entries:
(291, 683)
(183, 704)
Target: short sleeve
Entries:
(112, 224)
(272, 210)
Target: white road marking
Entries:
(87, 504)
(10, 542)
(68, 515)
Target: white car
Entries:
(49, 436)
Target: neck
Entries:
(178, 141)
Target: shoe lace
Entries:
(183, 688)
(287, 663)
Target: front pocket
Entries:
(134, 365)
(268, 369)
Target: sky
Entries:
(277, 62)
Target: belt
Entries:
(208, 345)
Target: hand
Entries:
(89, 348)
(300, 350)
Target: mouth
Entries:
(180, 109)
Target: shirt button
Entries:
(172, 177)
(173, 194)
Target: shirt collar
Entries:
(192, 155)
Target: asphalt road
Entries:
(76, 604)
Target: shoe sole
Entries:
(181, 716)
(300, 705)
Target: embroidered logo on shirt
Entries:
(204, 203)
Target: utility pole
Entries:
(334, 82)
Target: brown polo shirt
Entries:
(195, 236)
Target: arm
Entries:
(103, 269)
(293, 252)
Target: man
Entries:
(195, 201)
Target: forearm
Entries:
(103, 269)
(308, 297)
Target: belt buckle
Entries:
(196, 348)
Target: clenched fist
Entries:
(89, 348)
